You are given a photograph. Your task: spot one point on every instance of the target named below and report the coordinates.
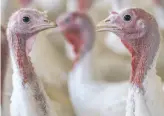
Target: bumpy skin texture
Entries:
(21, 35)
(135, 35)
(138, 31)
(28, 97)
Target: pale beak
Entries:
(47, 26)
(106, 25)
(42, 27)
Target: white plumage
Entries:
(151, 101)
(138, 31)
(95, 98)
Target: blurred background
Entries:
(51, 55)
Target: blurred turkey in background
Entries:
(52, 57)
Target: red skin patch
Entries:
(143, 52)
(134, 64)
(73, 37)
(24, 65)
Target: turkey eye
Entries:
(67, 20)
(26, 19)
(127, 17)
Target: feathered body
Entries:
(94, 98)
(147, 97)
(138, 31)
(149, 100)
(89, 97)
(28, 97)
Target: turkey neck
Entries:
(145, 95)
(25, 82)
(83, 61)
(20, 59)
(144, 52)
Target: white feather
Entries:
(148, 101)
(95, 98)
(22, 99)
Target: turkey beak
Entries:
(106, 25)
(42, 27)
(47, 25)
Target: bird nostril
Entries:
(107, 20)
(47, 21)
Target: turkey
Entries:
(115, 44)
(50, 68)
(28, 96)
(138, 31)
(89, 97)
